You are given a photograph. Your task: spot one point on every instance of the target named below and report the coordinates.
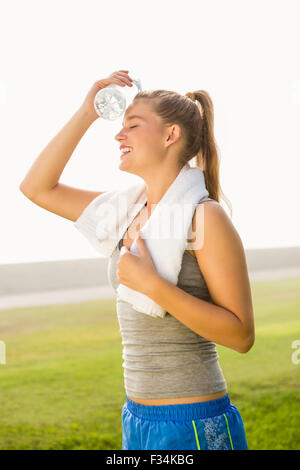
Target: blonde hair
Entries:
(194, 113)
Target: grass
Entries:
(62, 385)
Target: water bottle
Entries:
(110, 102)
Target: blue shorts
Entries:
(210, 425)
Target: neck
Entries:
(158, 185)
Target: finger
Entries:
(122, 82)
(118, 82)
(124, 76)
(124, 73)
(142, 245)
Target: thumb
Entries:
(141, 243)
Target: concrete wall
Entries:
(71, 274)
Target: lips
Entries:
(124, 146)
(126, 153)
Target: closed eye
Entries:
(132, 127)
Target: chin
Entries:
(124, 167)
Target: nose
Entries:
(118, 136)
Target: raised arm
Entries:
(41, 184)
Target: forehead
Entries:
(139, 111)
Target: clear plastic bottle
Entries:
(110, 102)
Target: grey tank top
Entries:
(162, 357)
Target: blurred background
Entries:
(60, 344)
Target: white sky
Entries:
(245, 54)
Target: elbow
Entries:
(23, 190)
(26, 191)
(247, 344)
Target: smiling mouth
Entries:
(126, 153)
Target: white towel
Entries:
(106, 219)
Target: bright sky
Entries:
(245, 54)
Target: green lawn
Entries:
(62, 384)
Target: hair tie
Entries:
(190, 95)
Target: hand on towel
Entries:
(137, 271)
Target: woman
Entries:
(176, 393)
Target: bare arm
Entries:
(229, 321)
(48, 167)
(41, 184)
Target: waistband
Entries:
(183, 411)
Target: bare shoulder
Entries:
(211, 219)
(221, 258)
(215, 238)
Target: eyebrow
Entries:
(134, 116)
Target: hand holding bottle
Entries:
(120, 78)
